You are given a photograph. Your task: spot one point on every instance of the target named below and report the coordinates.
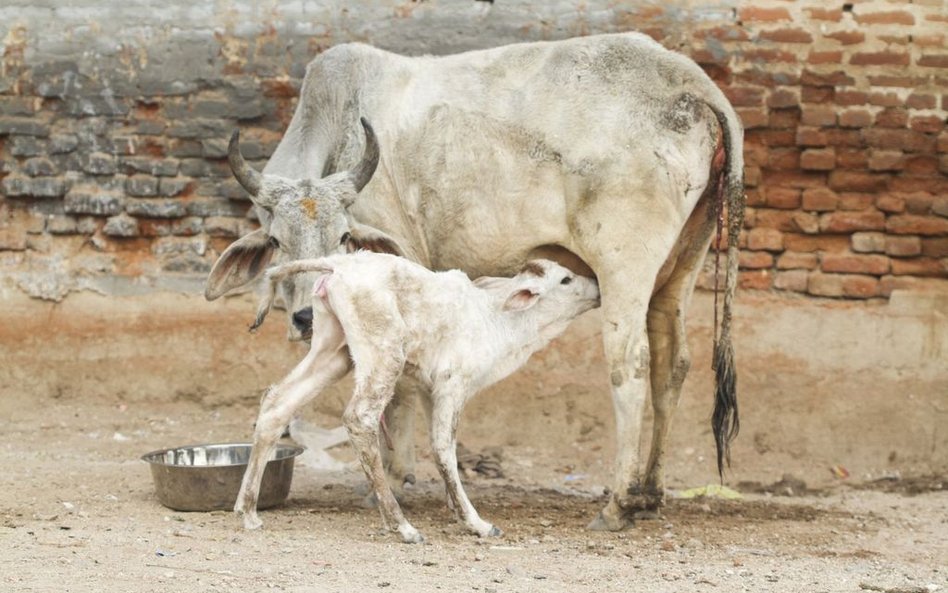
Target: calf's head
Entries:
(551, 294)
(300, 218)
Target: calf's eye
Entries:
(566, 280)
(273, 243)
(345, 238)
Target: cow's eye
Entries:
(273, 243)
(566, 280)
(345, 238)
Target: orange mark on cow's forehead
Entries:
(309, 207)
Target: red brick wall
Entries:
(112, 173)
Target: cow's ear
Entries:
(240, 263)
(372, 239)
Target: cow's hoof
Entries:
(605, 522)
(495, 532)
(252, 521)
(410, 535)
(647, 515)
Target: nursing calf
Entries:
(384, 316)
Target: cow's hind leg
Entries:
(671, 360)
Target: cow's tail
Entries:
(724, 420)
(277, 273)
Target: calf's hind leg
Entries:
(326, 363)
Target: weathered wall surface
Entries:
(114, 118)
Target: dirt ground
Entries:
(78, 513)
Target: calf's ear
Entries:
(240, 263)
(372, 239)
(521, 300)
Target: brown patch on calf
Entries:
(533, 268)
(308, 205)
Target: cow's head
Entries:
(300, 218)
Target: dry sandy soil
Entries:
(78, 513)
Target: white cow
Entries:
(385, 316)
(607, 153)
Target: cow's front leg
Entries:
(627, 356)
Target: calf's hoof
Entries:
(251, 520)
(495, 532)
(410, 535)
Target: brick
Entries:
(841, 180)
(786, 36)
(921, 266)
(16, 186)
(914, 224)
(825, 57)
(810, 243)
(141, 186)
(890, 203)
(818, 159)
(59, 224)
(156, 208)
(940, 206)
(851, 97)
(99, 163)
(818, 116)
(222, 226)
(906, 183)
(198, 129)
(22, 126)
(751, 177)
(933, 61)
(754, 198)
(92, 200)
(880, 58)
(40, 167)
(755, 280)
(893, 17)
(770, 56)
(826, 285)
(860, 287)
(847, 222)
(844, 137)
(13, 239)
(918, 202)
(888, 284)
(781, 220)
(216, 207)
(26, 146)
(782, 197)
(791, 260)
(855, 118)
(935, 246)
(892, 117)
(813, 137)
(881, 99)
(783, 98)
(907, 82)
(806, 222)
(762, 14)
(792, 280)
(922, 165)
(825, 14)
(755, 260)
(855, 264)
(907, 140)
(753, 117)
(122, 225)
(802, 180)
(849, 158)
(784, 118)
(764, 239)
(817, 94)
(886, 160)
(871, 242)
(782, 159)
(919, 101)
(160, 167)
(744, 96)
(903, 246)
(847, 37)
(169, 187)
(856, 201)
(928, 124)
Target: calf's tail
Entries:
(273, 277)
(725, 422)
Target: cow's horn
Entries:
(362, 173)
(249, 178)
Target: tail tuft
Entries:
(725, 421)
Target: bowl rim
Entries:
(295, 450)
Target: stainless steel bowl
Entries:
(207, 477)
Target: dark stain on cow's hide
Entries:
(683, 114)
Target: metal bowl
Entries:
(207, 477)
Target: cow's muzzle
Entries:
(303, 321)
